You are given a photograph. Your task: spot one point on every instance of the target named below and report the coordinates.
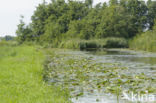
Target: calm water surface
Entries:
(136, 62)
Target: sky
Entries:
(10, 11)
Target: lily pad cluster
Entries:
(81, 75)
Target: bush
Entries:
(116, 43)
(88, 45)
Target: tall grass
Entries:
(70, 44)
(21, 77)
(145, 41)
(94, 43)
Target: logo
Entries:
(138, 97)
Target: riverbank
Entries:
(21, 77)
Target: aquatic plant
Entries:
(82, 74)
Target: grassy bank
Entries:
(21, 77)
(145, 41)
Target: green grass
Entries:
(145, 41)
(21, 77)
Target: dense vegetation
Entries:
(145, 41)
(21, 77)
(77, 24)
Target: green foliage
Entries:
(81, 29)
(110, 42)
(151, 13)
(116, 43)
(24, 32)
(113, 2)
(59, 21)
(70, 44)
(38, 20)
(146, 41)
(139, 11)
(93, 43)
(114, 23)
(89, 3)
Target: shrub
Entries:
(88, 45)
(116, 43)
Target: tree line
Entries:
(64, 20)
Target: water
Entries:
(135, 62)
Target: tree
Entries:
(123, 3)
(77, 10)
(89, 3)
(138, 10)
(60, 20)
(23, 32)
(151, 13)
(116, 23)
(113, 2)
(38, 20)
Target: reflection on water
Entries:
(136, 62)
(94, 76)
(125, 55)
